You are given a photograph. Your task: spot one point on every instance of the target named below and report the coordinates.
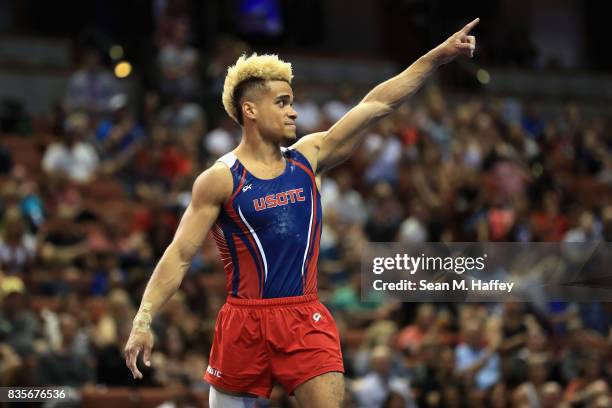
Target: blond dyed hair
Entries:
(267, 67)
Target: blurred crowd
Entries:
(92, 195)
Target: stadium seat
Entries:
(39, 303)
(25, 151)
(153, 397)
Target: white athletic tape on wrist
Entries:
(143, 319)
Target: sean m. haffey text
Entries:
(412, 264)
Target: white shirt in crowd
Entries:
(219, 141)
(78, 162)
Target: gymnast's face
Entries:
(273, 112)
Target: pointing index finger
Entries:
(468, 27)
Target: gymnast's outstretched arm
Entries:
(328, 149)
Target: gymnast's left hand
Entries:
(460, 43)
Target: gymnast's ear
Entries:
(249, 110)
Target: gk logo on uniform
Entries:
(316, 317)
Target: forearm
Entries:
(393, 92)
(164, 282)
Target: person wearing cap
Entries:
(18, 325)
(118, 137)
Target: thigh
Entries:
(239, 361)
(323, 391)
(304, 344)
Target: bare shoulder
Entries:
(213, 186)
(309, 146)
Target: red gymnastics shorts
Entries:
(259, 341)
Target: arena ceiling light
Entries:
(483, 76)
(123, 69)
(116, 52)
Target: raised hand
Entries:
(460, 43)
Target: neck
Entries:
(254, 146)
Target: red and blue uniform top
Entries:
(268, 232)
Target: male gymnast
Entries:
(262, 203)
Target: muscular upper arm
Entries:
(309, 146)
(210, 190)
(328, 149)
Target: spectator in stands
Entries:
(180, 114)
(10, 364)
(9, 196)
(309, 118)
(536, 346)
(177, 159)
(63, 240)
(227, 50)
(118, 137)
(552, 395)
(17, 247)
(119, 313)
(221, 139)
(426, 379)
(106, 273)
(590, 373)
(31, 203)
(169, 365)
(587, 230)
(514, 329)
(151, 107)
(373, 389)
(452, 396)
(477, 363)
(413, 228)
(549, 223)
(335, 108)
(340, 197)
(74, 156)
(92, 86)
(63, 366)
(532, 121)
(412, 336)
(538, 389)
(168, 14)
(437, 122)
(385, 151)
(18, 325)
(178, 63)
(385, 214)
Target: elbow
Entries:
(385, 110)
(173, 263)
(181, 254)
